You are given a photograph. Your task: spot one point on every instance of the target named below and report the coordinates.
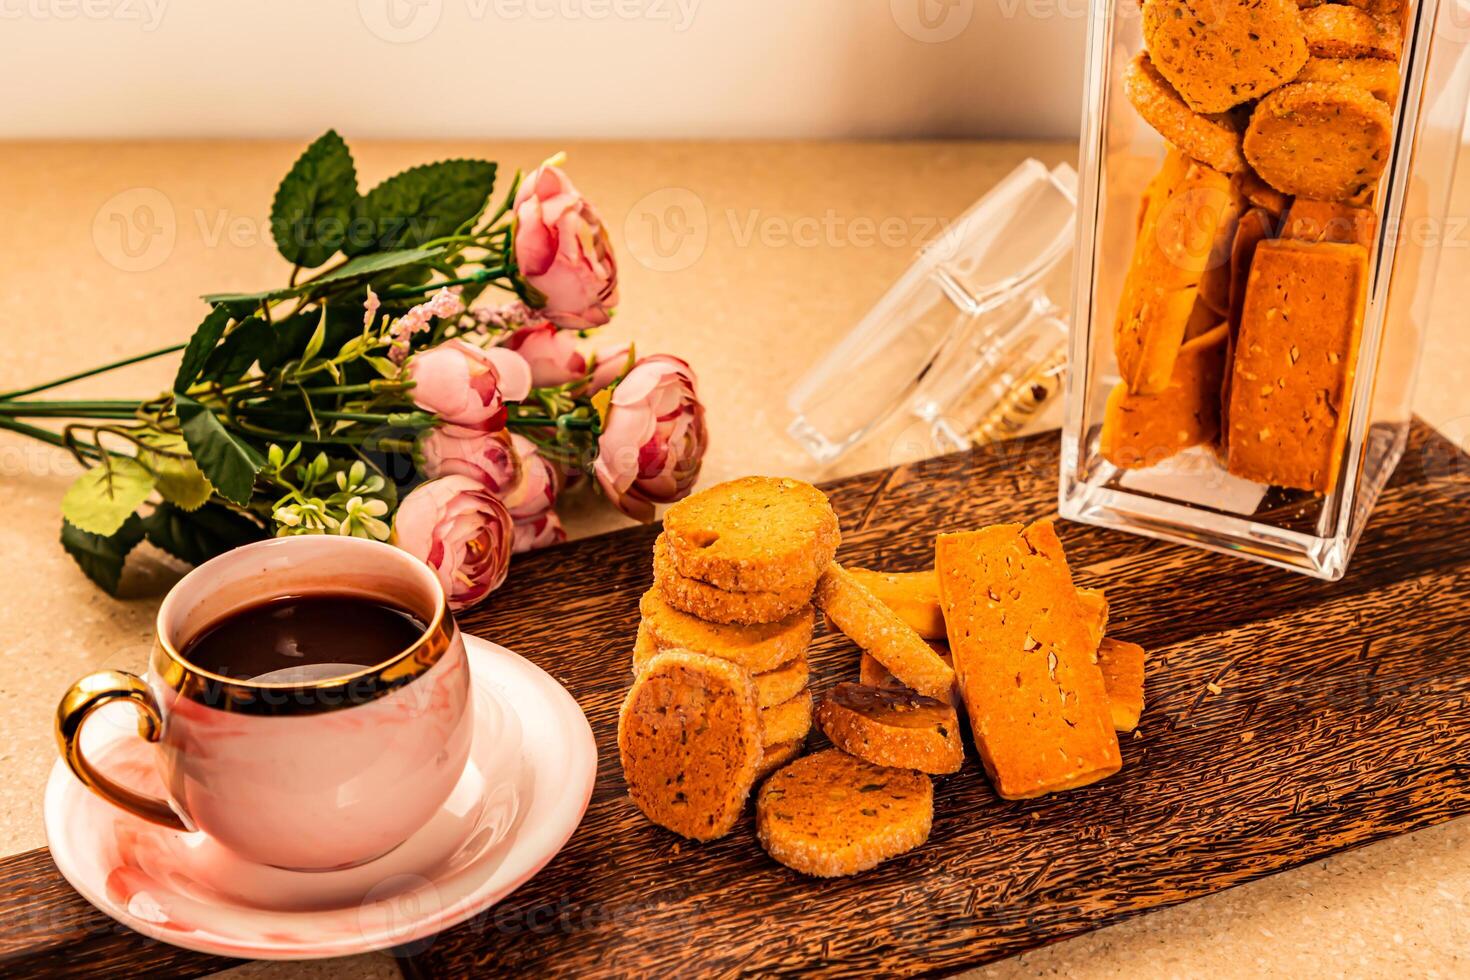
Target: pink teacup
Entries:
(307, 776)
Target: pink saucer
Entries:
(486, 841)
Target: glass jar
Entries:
(1247, 319)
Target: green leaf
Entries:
(356, 268)
(318, 338)
(101, 556)
(201, 345)
(100, 500)
(313, 206)
(420, 205)
(241, 347)
(177, 477)
(228, 462)
(197, 536)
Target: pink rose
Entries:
(562, 251)
(654, 439)
(551, 352)
(457, 527)
(484, 456)
(608, 364)
(531, 500)
(468, 386)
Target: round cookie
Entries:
(789, 721)
(1376, 76)
(771, 687)
(755, 534)
(1220, 53)
(758, 648)
(1213, 140)
(1323, 140)
(776, 756)
(702, 600)
(1336, 30)
(689, 740)
(829, 814)
(890, 727)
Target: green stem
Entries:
(542, 422)
(71, 410)
(44, 435)
(484, 275)
(96, 370)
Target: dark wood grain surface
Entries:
(1342, 717)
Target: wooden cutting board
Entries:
(1342, 717)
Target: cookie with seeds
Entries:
(772, 687)
(754, 534)
(890, 727)
(1211, 138)
(830, 814)
(914, 596)
(789, 721)
(1336, 30)
(1323, 140)
(689, 740)
(879, 630)
(1378, 77)
(705, 601)
(758, 647)
(776, 756)
(1220, 53)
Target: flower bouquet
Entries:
(420, 378)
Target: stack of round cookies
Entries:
(721, 696)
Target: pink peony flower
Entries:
(562, 251)
(468, 386)
(654, 439)
(459, 529)
(608, 364)
(531, 500)
(551, 352)
(446, 302)
(484, 456)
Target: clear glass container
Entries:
(1206, 494)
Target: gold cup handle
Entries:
(84, 697)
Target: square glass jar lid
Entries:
(961, 294)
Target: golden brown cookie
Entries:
(1329, 221)
(1323, 140)
(689, 739)
(758, 648)
(704, 601)
(1162, 285)
(1294, 363)
(1213, 139)
(755, 534)
(1122, 667)
(877, 629)
(871, 673)
(1336, 30)
(1376, 76)
(1220, 53)
(1037, 704)
(829, 814)
(788, 721)
(776, 756)
(1143, 430)
(1095, 608)
(1259, 194)
(771, 687)
(1214, 282)
(913, 596)
(892, 728)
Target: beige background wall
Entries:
(541, 68)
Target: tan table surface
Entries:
(749, 259)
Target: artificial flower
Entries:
(468, 386)
(654, 438)
(562, 251)
(551, 352)
(460, 530)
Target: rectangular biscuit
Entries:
(1329, 221)
(1175, 243)
(1093, 604)
(914, 596)
(1143, 430)
(1122, 669)
(879, 630)
(1028, 673)
(1294, 362)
